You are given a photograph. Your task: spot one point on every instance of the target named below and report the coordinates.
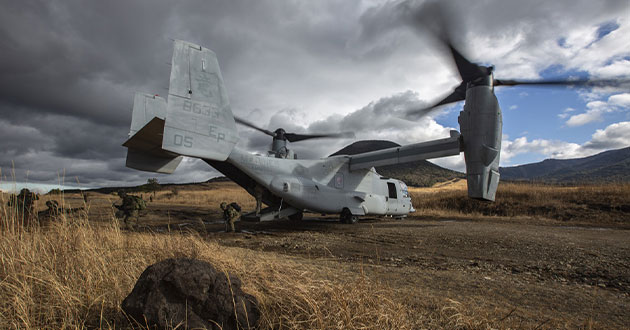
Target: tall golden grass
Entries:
(608, 203)
(70, 274)
(73, 274)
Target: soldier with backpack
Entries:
(231, 213)
(130, 207)
(24, 204)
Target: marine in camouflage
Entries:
(130, 207)
(230, 215)
(24, 204)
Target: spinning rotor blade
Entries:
(434, 18)
(293, 137)
(580, 82)
(459, 94)
(250, 125)
(467, 70)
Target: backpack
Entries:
(235, 206)
(140, 204)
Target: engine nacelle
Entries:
(481, 124)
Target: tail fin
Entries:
(145, 151)
(145, 107)
(199, 122)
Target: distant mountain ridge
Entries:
(417, 174)
(606, 167)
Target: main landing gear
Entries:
(347, 217)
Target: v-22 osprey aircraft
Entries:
(197, 121)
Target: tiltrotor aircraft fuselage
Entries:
(197, 121)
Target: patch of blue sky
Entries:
(562, 42)
(533, 112)
(523, 158)
(606, 28)
(447, 115)
(559, 72)
(615, 59)
(603, 30)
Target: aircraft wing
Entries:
(408, 153)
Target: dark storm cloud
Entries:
(18, 140)
(68, 71)
(68, 58)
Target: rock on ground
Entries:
(191, 293)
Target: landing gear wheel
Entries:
(297, 217)
(347, 217)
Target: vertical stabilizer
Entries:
(199, 121)
(145, 108)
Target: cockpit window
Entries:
(404, 189)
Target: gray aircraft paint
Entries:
(481, 123)
(199, 123)
(323, 185)
(144, 145)
(145, 107)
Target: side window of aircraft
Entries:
(392, 190)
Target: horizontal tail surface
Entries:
(144, 150)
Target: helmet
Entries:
(223, 205)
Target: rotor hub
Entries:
(280, 134)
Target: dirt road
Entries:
(542, 273)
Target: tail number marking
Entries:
(201, 109)
(185, 141)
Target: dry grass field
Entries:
(540, 257)
(593, 204)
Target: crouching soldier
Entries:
(53, 208)
(130, 207)
(52, 212)
(24, 204)
(231, 213)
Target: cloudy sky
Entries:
(68, 71)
